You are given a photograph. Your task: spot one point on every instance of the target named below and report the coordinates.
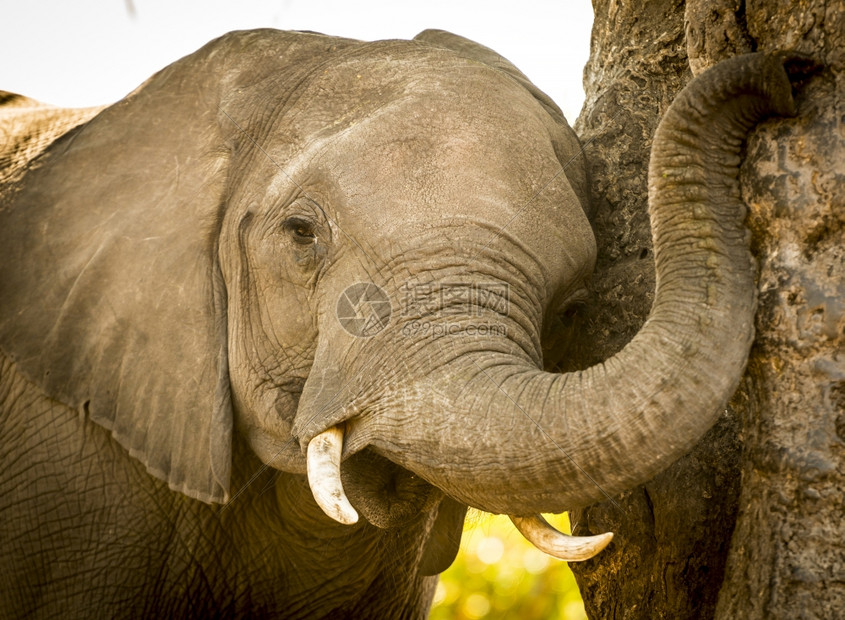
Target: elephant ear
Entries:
(111, 298)
(568, 150)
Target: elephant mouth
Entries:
(386, 494)
(389, 495)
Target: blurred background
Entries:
(90, 52)
(498, 574)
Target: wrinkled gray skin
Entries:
(168, 290)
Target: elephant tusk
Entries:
(323, 462)
(557, 544)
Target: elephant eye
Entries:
(300, 230)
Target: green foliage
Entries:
(498, 574)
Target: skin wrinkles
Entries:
(95, 448)
(321, 191)
(276, 408)
(440, 251)
(270, 228)
(416, 363)
(418, 271)
(410, 270)
(270, 88)
(306, 528)
(435, 266)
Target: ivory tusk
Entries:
(557, 544)
(323, 458)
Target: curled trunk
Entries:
(561, 441)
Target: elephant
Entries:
(274, 320)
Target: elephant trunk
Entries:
(579, 437)
(499, 434)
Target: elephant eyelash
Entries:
(300, 230)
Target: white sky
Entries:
(89, 52)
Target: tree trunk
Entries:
(751, 524)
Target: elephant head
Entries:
(348, 252)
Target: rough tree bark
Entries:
(751, 524)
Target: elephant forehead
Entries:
(417, 165)
(441, 156)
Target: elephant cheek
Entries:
(266, 426)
